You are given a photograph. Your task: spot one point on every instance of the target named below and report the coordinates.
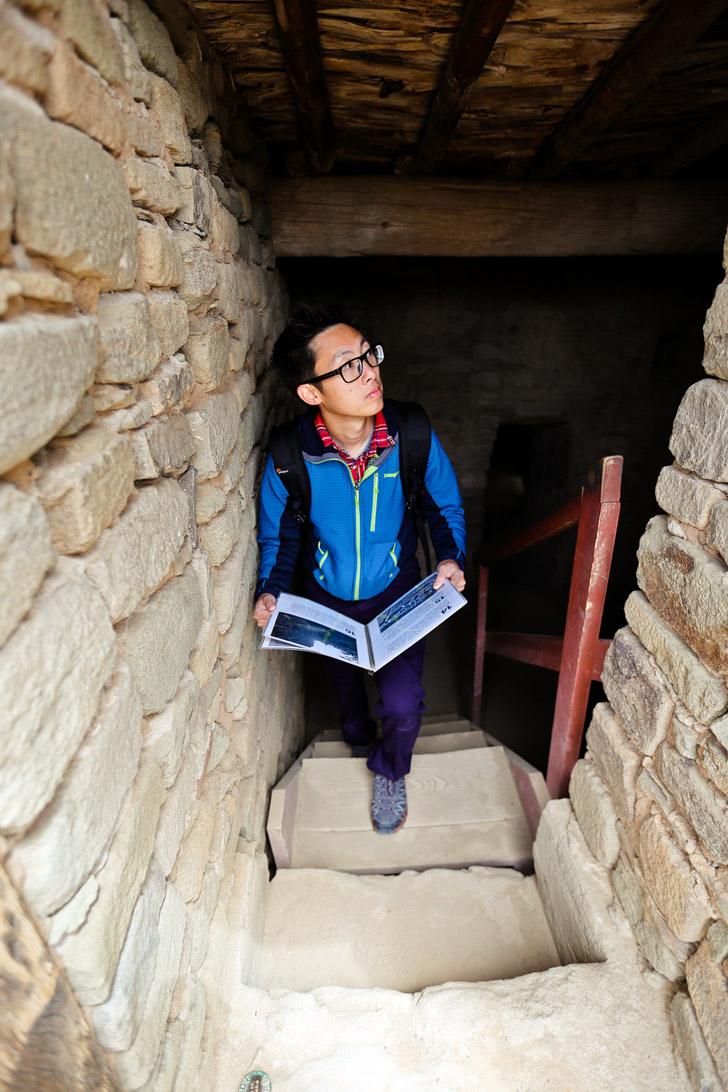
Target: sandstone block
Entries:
(26, 553)
(25, 50)
(688, 589)
(160, 258)
(134, 1066)
(60, 851)
(224, 236)
(124, 420)
(636, 691)
(131, 558)
(715, 332)
(227, 297)
(91, 955)
(88, 26)
(52, 671)
(196, 207)
(136, 76)
(117, 1021)
(141, 131)
(167, 107)
(219, 536)
(153, 41)
(194, 105)
(156, 641)
(210, 501)
(164, 445)
(685, 496)
(168, 313)
(129, 346)
(59, 359)
(168, 732)
(702, 803)
(675, 887)
(713, 761)
(173, 817)
(152, 186)
(703, 693)
(169, 385)
(162, 1076)
(708, 989)
(84, 486)
(687, 733)
(7, 207)
(200, 916)
(207, 350)
(189, 1064)
(214, 422)
(632, 898)
(595, 812)
(232, 640)
(717, 938)
(691, 1044)
(205, 654)
(77, 95)
(247, 480)
(109, 396)
(717, 533)
(698, 439)
(71, 917)
(615, 757)
(194, 853)
(200, 270)
(57, 168)
(228, 587)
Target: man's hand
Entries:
(263, 609)
(449, 570)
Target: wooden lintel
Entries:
(673, 27)
(479, 28)
(301, 49)
(440, 217)
(693, 146)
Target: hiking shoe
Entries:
(389, 804)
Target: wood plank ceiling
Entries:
(505, 89)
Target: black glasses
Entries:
(353, 368)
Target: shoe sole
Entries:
(390, 830)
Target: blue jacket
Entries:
(357, 537)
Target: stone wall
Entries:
(141, 730)
(651, 796)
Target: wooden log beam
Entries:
(693, 146)
(301, 49)
(479, 28)
(673, 27)
(387, 215)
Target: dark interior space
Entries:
(531, 370)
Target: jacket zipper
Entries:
(373, 524)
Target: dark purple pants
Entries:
(401, 694)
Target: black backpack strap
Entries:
(284, 447)
(415, 434)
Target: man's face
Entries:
(362, 398)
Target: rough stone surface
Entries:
(674, 886)
(129, 346)
(615, 757)
(200, 270)
(686, 497)
(52, 672)
(691, 1044)
(25, 50)
(219, 536)
(160, 258)
(156, 642)
(715, 331)
(59, 361)
(131, 558)
(702, 803)
(228, 586)
(699, 438)
(117, 1021)
(214, 422)
(84, 486)
(168, 732)
(703, 693)
(717, 533)
(645, 923)
(167, 107)
(196, 208)
(169, 319)
(165, 445)
(713, 761)
(87, 25)
(26, 554)
(78, 96)
(60, 851)
(71, 917)
(174, 812)
(152, 186)
(163, 1074)
(708, 988)
(136, 76)
(595, 812)
(636, 691)
(207, 350)
(91, 955)
(55, 167)
(688, 588)
(153, 41)
(193, 1017)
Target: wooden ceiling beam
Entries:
(301, 50)
(693, 146)
(480, 25)
(668, 32)
(354, 216)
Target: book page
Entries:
(410, 617)
(299, 624)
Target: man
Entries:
(359, 543)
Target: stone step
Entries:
(403, 932)
(425, 745)
(464, 809)
(431, 726)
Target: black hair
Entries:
(292, 357)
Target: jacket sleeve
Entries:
(279, 536)
(443, 506)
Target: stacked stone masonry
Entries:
(651, 795)
(141, 729)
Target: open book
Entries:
(300, 624)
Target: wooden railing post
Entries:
(477, 706)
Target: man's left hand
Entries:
(449, 570)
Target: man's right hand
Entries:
(264, 607)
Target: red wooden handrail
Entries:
(579, 656)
